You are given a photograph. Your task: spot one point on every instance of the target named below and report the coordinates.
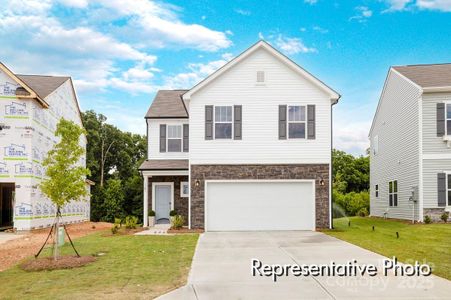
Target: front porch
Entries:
(166, 188)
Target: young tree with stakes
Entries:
(65, 177)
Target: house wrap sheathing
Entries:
(30, 108)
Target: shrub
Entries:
(445, 216)
(118, 221)
(363, 212)
(427, 219)
(178, 221)
(114, 229)
(131, 222)
(151, 213)
(351, 203)
(173, 213)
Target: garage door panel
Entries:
(243, 206)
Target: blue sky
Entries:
(120, 53)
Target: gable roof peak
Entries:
(276, 53)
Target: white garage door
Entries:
(259, 205)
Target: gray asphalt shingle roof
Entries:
(426, 76)
(164, 164)
(168, 104)
(43, 85)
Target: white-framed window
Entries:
(393, 193)
(184, 189)
(376, 191)
(260, 76)
(223, 122)
(375, 144)
(174, 135)
(297, 125)
(448, 118)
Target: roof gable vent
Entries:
(260, 76)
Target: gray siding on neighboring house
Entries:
(431, 142)
(397, 126)
(430, 169)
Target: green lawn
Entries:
(134, 267)
(425, 243)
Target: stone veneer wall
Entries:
(180, 203)
(434, 213)
(298, 171)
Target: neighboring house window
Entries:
(296, 122)
(223, 122)
(376, 190)
(448, 119)
(184, 189)
(375, 144)
(174, 138)
(393, 193)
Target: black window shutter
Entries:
(162, 137)
(282, 122)
(237, 121)
(185, 137)
(441, 189)
(208, 122)
(440, 119)
(311, 119)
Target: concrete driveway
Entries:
(221, 269)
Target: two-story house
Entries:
(25, 140)
(248, 148)
(411, 144)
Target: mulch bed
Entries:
(123, 231)
(63, 262)
(14, 251)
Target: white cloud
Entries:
(138, 73)
(400, 5)
(158, 24)
(242, 12)
(320, 29)
(291, 45)
(442, 5)
(351, 137)
(363, 13)
(74, 3)
(197, 72)
(397, 4)
(311, 2)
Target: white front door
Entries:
(162, 202)
(259, 205)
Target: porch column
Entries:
(146, 202)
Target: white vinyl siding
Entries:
(396, 126)
(154, 139)
(433, 144)
(260, 142)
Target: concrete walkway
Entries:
(221, 269)
(8, 236)
(157, 229)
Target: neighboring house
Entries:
(248, 148)
(411, 144)
(26, 140)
